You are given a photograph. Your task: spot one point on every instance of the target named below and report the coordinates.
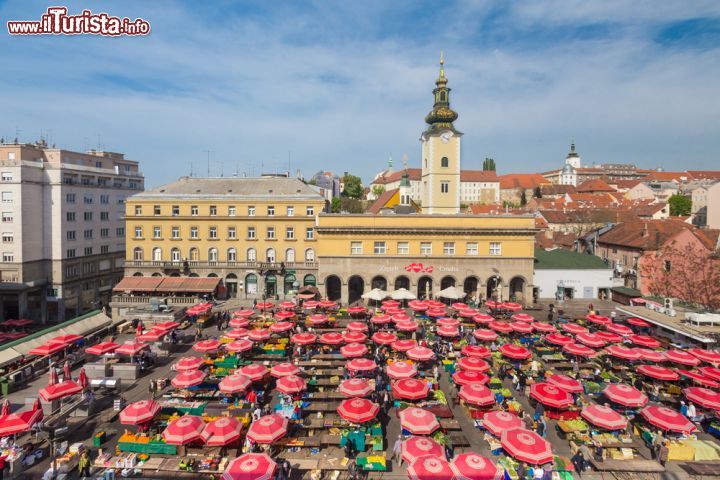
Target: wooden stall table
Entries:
(632, 466)
(320, 363)
(324, 372)
(573, 429)
(324, 382)
(459, 440)
(329, 356)
(325, 395)
(450, 424)
(299, 442)
(322, 407)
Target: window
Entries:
(425, 248)
(290, 211)
(309, 255)
(70, 235)
(71, 271)
(8, 257)
(7, 217)
(193, 232)
(138, 232)
(88, 250)
(88, 234)
(175, 255)
(157, 232)
(156, 210)
(309, 210)
(7, 197)
(104, 248)
(98, 164)
(194, 210)
(175, 210)
(356, 248)
(270, 255)
(104, 232)
(70, 253)
(104, 216)
(88, 199)
(403, 248)
(157, 254)
(270, 211)
(87, 216)
(667, 264)
(231, 211)
(270, 232)
(194, 254)
(120, 231)
(290, 233)
(8, 237)
(379, 248)
(309, 233)
(70, 216)
(7, 176)
(213, 255)
(444, 162)
(290, 255)
(138, 210)
(471, 248)
(495, 248)
(11, 155)
(70, 198)
(444, 187)
(251, 233)
(175, 232)
(105, 199)
(251, 255)
(232, 233)
(251, 211)
(449, 248)
(213, 232)
(213, 210)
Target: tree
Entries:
(335, 205)
(538, 192)
(352, 186)
(378, 190)
(523, 198)
(680, 205)
(489, 164)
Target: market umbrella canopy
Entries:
(498, 421)
(358, 410)
(526, 446)
(407, 326)
(239, 322)
(66, 339)
(259, 334)
(399, 370)
(139, 412)
(131, 348)
(445, 331)
(625, 395)
(621, 351)
(243, 313)
(577, 349)
(56, 390)
(493, 305)
(352, 350)
(619, 329)
(235, 383)
(475, 364)
(483, 318)
(436, 312)
(544, 327)
(704, 397)
(189, 363)
(706, 355)
(638, 322)
(255, 371)
(521, 327)
(667, 419)
(291, 384)
(712, 372)
(468, 313)
(559, 339)
(566, 383)
(515, 352)
(644, 341)
(658, 373)
(610, 337)
(418, 421)
(355, 387)
(471, 466)
(183, 430)
(286, 305)
(550, 395)
(310, 304)
(152, 335)
(331, 338)
(102, 348)
(357, 327)
(264, 305)
(401, 317)
(598, 319)
(384, 338)
(451, 293)
(205, 346)
(250, 466)
(354, 337)
(420, 354)
(590, 339)
(699, 378)
(381, 319)
(47, 349)
(650, 355)
(361, 365)
(357, 310)
(415, 447)
(429, 467)
(280, 327)
(523, 317)
(222, 431)
(501, 327)
(375, 294)
(239, 346)
(268, 429)
(303, 338)
(476, 351)
(19, 422)
(511, 306)
(404, 345)
(463, 377)
(485, 335)
(574, 328)
(327, 304)
(682, 357)
(411, 389)
(284, 369)
(477, 394)
(187, 379)
(604, 417)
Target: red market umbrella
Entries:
(353, 350)
(711, 372)
(444, 331)
(430, 467)
(550, 395)
(354, 337)
(415, 447)
(410, 388)
(398, 370)
(284, 369)
(604, 417)
(598, 319)
(644, 341)
(381, 319)
(357, 310)
(361, 365)
(704, 397)
(526, 446)
(139, 412)
(468, 313)
(284, 315)
(264, 305)
(459, 306)
(418, 304)
(56, 391)
(357, 327)
(483, 318)
(250, 466)
(205, 346)
(544, 327)
(471, 466)
(498, 421)
(516, 352)
(574, 328)
(183, 430)
(409, 326)
(610, 337)
(291, 384)
(19, 422)
(436, 312)
(559, 339)
(473, 363)
(394, 311)
(667, 419)
(501, 327)
(706, 355)
(625, 395)
(621, 351)
(493, 305)
(637, 322)
(563, 382)
(66, 339)
(268, 429)
(463, 377)
(403, 345)
(239, 346)
(650, 355)
(384, 338)
(358, 410)
(619, 329)
(243, 313)
(152, 335)
(682, 357)
(259, 334)
(523, 317)
(355, 387)
(590, 339)
(476, 351)
(310, 304)
(187, 379)
(303, 338)
(102, 348)
(239, 322)
(235, 383)
(221, 432)
(511, 306)
(418, 421)
(189, 363)
(521, 327)
(401, 317)
(327, 304)
(477, 394)
(699, 378)
(420, 354)
(255, 371)
(280, 327)
(131, 348)
(485, 335)
(286, 305)
(47, 349)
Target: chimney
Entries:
(645, 232)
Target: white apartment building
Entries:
(476, 186)
(62, 229)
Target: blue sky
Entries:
(342, 85)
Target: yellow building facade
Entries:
(256, 234)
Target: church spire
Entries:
(442, 116)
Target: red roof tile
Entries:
(382, 200)
(522, 180)
(643, 234)
(594, 185)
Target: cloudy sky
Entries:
(341, 86)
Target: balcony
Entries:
(199, 264)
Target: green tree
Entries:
(378, 190)
(680, 205)
(352, 205)
(353, 186)
(523, 199)
(489, 164)
(335, 205)
(538, 192)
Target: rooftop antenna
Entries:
(208, 162)
(222, 168)
(191, 168)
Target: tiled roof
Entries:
(625, 184)
(668, 176)
(594, 185)
(382, 200)
(589, 215)
(555, 189)
(522, 180)
(414, 174)
(643, 234)
(595, 199)
(705, 174)
(224, 187)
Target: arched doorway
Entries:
(309, 279)
(270, 285)
(447, 282)
(356, 287)
(402, 282)
(231, 284)
(470, 287)
(193, 275)
(137, 274)
(379, 282)
(212, 275)
(494, 288)
(289, 283)
(333, 287)
(156, 274)
(251, 283)
(517, 289)
(424, 287)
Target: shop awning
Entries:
(168, 284)
(138, 284)
(83, 327)
(200, 284)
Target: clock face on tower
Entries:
(445, 137)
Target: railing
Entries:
(199, 264)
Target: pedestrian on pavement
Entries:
(663, 453)
(84, 464)
(397, 450)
